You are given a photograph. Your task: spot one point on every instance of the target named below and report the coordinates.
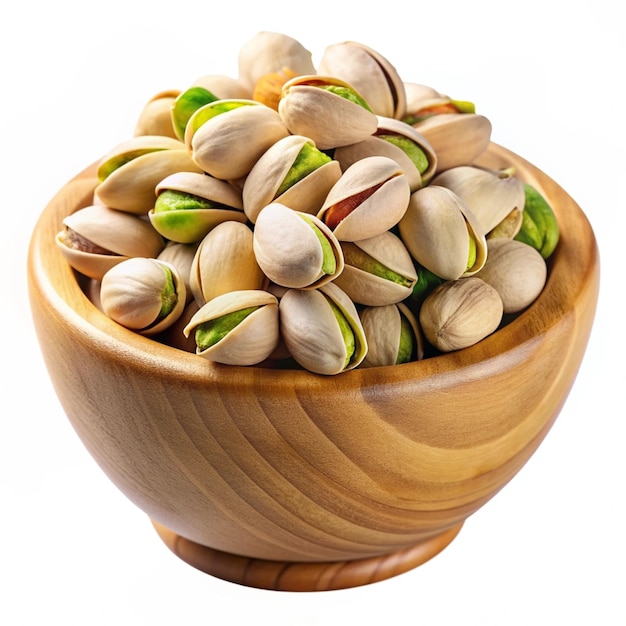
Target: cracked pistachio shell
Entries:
(245, 322)
(539, 227)
(295, 249)
(156, 118)
(442, 234)
(142, 294)
(309, 107)
(516, 271)
(400, 142)
(369, 72)
(292, 172)
(201, 202)
(322, 330)
(371, 197)
(456, 138)
(460, 313)
(423, 102)
(227, 137)
(95, 238)
(491, 195)
(268, 52)
(225, 261)
(393, 335)
(377, 271)
(130, 172)
(181, 256)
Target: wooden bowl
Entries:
(288, 480)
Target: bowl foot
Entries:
(294, 576)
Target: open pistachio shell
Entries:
(328, 110)
(95, 238)
(155, 118)
(144, 295)
(181, 256)
(322, 330)
(242, 325)
(292, 172)
(225, 261)
(442, 234)
(374, 77)
(227, 137)
(224, 87)
(377, 271)
(295, 249)
(186, 104)
(371, 197)
(195, 204)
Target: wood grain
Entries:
(292, 467)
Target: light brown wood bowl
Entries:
(293, 481)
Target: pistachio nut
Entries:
(156, 118)
(371, 197)
(491, 195)
(295, 249)
(539, 227)
(268, 52)
(186, 104)
(329, 111)
(322, 330)
(143, 294)
(460, 313)
(393, 335)
(269, 87)
(293, 172)
(189, 204)
(222, 86)
(424, 102)
(225, 261)
(236, 328)
(442, 234)
(227, 137)
(377, 271)
(181, 256)
(369, 72)
(516, 271)
(95, 238)
(130, 172)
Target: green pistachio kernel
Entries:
(357, 257)
(539, 226)
(186, 104)
(426, 282)
(346, 331)
(308, 160)
(169, 295)
(406, 349)
(210, 332)
(348, 94)
(329, 262)
(172, 200)
(412, 150)
(471, 257)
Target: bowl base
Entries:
(294, 576)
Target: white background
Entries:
(548, 549)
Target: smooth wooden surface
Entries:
(292, 467)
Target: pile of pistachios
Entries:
(321, 217)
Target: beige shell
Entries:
(372, 75)
(96, 238)
(156, 115)
(225, 261)
(227, 145)
(383, 328)
(377, 271)
(325, 117)
(181, 256)
(516, 271)
(437, 228)
(249, 342)
(371, 197)
(288, 249)
(312, 334)
(456, 138)
(460, 313)
(268, 52)
(132, 293)
(265, 178)
(222, 86)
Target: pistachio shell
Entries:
(371, 197)
(374, 77)
(516, 271)
(250, 341)
(460, 313)
(295, 249)
(308, 108)
(95, 238)
(225, 261)
(312, 332)
(155, 118)
(263, 184)
(438, 231)
(181, 256)
(224, 87)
